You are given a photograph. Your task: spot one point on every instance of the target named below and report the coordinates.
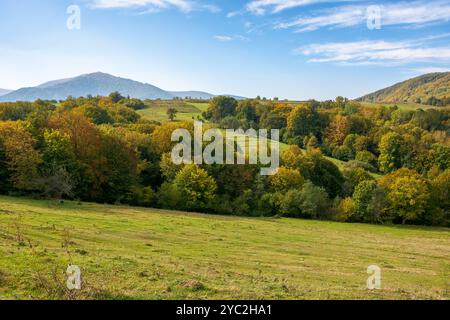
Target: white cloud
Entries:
(405, 13)
(375, 52)
(260, 7)
(226, 38)
(154, 5)
(233, 14)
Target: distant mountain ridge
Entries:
(97, 84)
(4, 91)
(415, 90)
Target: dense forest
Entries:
(396, 163)
(430, 89)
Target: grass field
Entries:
(135, 253)
(157, 110)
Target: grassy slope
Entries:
(424, 87)
(158, 111)
(402, 106)
(146, 253)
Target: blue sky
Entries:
(297, 49)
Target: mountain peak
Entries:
(96, 84)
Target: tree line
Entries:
(396, 163)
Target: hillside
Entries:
(89, 84)
(416, 90)
(138, 253)
(97, 84)
(192, 95)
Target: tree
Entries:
(390, 152)
(162, 135)
(172, 113)
(366, 157)
(120, 168)
(221, 107)
(116, 97)
(440, 197)
(440, 155)
(86, 142)
(55, 183)
(95, 113)
(314, 201)
(20, 159)
(321, 171)
(303, 120)
(286, 179)
(338, 129)
(344, 209)
(196, 187)
(362, 198)
(290, 203)
(343, 153)
(246, 109)
(354, 177)
(234, 180)
(408, 194)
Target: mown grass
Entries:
(136, 253)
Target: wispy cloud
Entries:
(261, 7)
(375, 52)
(228, 38)
(154, 5)
(404, 13)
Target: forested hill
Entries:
(431, 89)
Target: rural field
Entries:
(137, 253)
(186, 111)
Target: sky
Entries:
(290, 49)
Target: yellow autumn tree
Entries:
(21, 159)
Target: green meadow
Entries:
(186, 111)
(138, 253)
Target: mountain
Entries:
(4, 91)
(89, 84)
(416, 90)
(192, 94)
(94, 84)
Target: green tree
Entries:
(354, 177)
(366, 157)
(20, 159)
(314, 201)
(286, 179)
(362, 198)
(172, 113)
(116, 97)
(408, 194)
(304, 120)
(390, 152)
(221, 107)
(197, 188)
